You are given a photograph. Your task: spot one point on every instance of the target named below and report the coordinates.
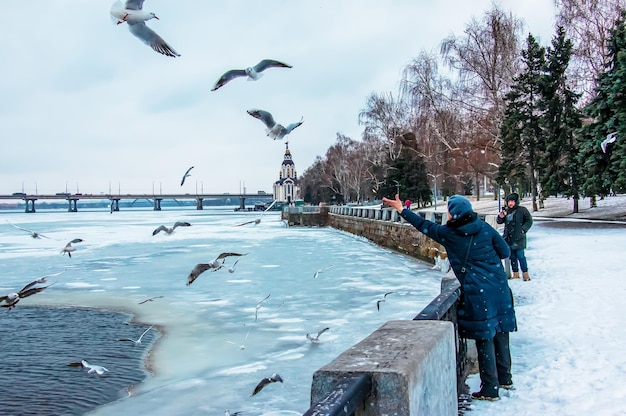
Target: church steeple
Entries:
(286, 189)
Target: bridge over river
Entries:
(155, 199)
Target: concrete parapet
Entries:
(412, 367)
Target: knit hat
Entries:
(513, 197)
(459, 206)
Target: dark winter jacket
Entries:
(517, 222)
(486, 305)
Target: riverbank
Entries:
(612, 208)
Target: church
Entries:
(286, 188)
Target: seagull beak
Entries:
(156, 18)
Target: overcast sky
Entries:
(85, 105)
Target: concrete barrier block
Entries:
(412, 365)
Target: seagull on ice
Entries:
(317, 337)
(213, 265)
(253, 72)
(610, 138)
(274, 130)
(149, 300)
(137, 341)
(32, 233)
(69, 248)
(98, 369)
(257, 220)
(382, 300)
(11, 299)
(131, 12)
(186, 175)
(258, 306)
(317, 273)
(267, 380)
(169, 230)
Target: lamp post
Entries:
(397, 186)
(495, 165)
(435, 187)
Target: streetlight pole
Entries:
(397, 187)
(435, 187)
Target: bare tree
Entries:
(587, 23)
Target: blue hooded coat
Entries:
(486, 305)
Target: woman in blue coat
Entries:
(485, 312)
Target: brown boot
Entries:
(526, 276)
(515, 275)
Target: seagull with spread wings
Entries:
(258, 306)
(149, 300)
(316, 338)
(91, 368)
(170, 230)
(69, 248)
(33, 234)
(267, 380)
(131, 12)
(274, 130)
(322, 270)
(610, 138)
(382, 300)
(257, 220)
(213, 265)
(137, 341)
(253, 72)
(186, 175)
(10, 300)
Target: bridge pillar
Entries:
(30, 204)
(157, 204)
(199, 203)
(242, 203)
(72, 205)
(115, 204)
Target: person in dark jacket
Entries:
(485, 312)
(517, 221)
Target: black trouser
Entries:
(494, 363)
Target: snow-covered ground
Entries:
(568, 353)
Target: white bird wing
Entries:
(227, 254)
(270, 207)
(321, 331)
(185, 176)
(150, 38)
(245, 223)
(264, 116)
(227, 77)
(134, 4)
(270, 63)
(292, 126)
(181, 224)
(145, 332)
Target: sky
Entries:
(87, 107)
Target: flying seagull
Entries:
(69, 248)
(227, 413)
(242, 346)
(11, 299)
(610, 138)
(32, 233)
(131, 12)
(149, 300)
(257, 220)
(253, 72)
(267, 380)
(317, 273)
(274, 130)
(170, 230)
(258, 306)
(214, 266)
(317, 337)
(137, 341)
(232, 268)
(98, 369)
(382, 300)
(186, 175)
